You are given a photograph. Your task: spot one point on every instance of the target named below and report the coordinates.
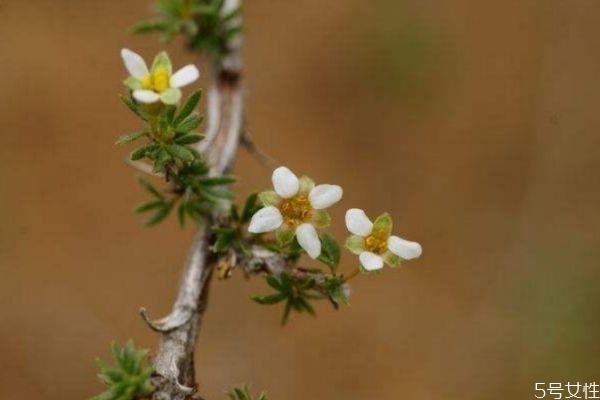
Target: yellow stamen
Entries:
(376, 242)
(157, 81)
(295, 210)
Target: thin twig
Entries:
(266, 160)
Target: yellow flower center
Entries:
(157, 80)
(376, 242)
(295, 210)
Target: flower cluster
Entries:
(295, 209)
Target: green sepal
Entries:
(162, 60)
(269, 198)
(321, 219)
(383, 225)
(356, 244)
(284, 236)
(170, 96)
(391, 259)
(133, 83)
(306, 185)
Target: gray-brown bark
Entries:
(174, 361)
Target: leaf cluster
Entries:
(168, 134)
(129, 377)
(243, 393)
(230, 235)
(203, 22)
(297, 289)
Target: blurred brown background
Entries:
(475, 123)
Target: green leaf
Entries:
(189, 139)
(224, 240)
(149, 26)
(249, 208)
(215, 195)
(140, 152)
(189, 123)
(181, 152)
(274, 282)
(270, 299)
(168, 114)
(150, 205)
(188, 107)
(131, 137)
(330, 251)
(218, 180)
(160, 214)
(133, 107)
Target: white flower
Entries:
(373, 242)
(295, 208)
(159, 82)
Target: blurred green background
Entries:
(474, 123)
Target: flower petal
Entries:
(184, 76)
(170, 96)
(370, 261)
(358, 223)
(323, 196)
(265, 220)
(135, 64)
(286, 184)
(404, 248)
(146, 96)
(308, 239)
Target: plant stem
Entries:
(352, 274)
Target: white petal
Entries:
(265, 220)
(184, 76)
(134, 63)
(308, 239)
(286, 184)
(370, 261)
(358, 223)
(323, 196)
(146, 96)
(404, 248)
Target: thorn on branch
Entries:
(172, 321)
